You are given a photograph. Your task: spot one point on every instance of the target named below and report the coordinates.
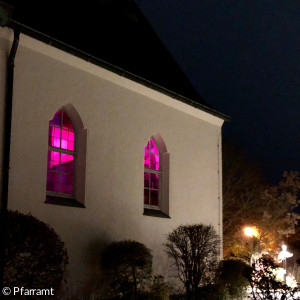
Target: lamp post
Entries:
(252, 233)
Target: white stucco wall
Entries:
(120, 116)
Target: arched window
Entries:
(151, 175)
(61, 153)
(156, 178)
(63, 166)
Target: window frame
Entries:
(162, 209)
(77, 199)
(149, 206)
(61, 151)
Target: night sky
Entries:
(243, 57)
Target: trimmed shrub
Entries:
(35, 257)
(130, 266)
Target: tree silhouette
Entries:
(194, 249)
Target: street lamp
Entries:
(252, 233)
(282, 256)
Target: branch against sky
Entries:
(243, 185)
(194, 250)
(250, 201)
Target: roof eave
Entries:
(110, 67)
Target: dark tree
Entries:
(243, 186)
(35, 257)
(248, 200)
(130, 263)
(194, 249)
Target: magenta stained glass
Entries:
(153, 197)
(151, 158)
(151, 174)
(60, 167)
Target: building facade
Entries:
(102, 158)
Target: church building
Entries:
(109, 140)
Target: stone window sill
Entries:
(56, 200)
(155, 213)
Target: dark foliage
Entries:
(233, 277)
(130, 265)
(265, 285)
(35, 257)
(248, 200)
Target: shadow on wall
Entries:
(96, 281)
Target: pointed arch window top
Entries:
(151, 146)
(151, 158)
(62, 119)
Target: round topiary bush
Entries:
(130, 266)
(35, 257)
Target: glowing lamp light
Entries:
(251, 231)
(284, 253)
(279, 273)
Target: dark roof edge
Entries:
(97, 61)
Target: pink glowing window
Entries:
(60, 166)
(151, 175)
